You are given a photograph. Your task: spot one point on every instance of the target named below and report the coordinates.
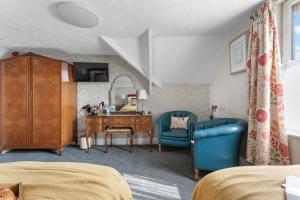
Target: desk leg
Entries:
(87, 135)
(95, 138)
(150, 141)
(130, 137)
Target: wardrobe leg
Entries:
(60, 151)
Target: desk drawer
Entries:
(89, 122)
(144, 124)
(98, 125)
(119, 122)
(93, 124)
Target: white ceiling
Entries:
(35, 24)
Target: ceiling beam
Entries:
(139, 56)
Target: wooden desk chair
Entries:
(119, 130)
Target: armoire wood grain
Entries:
(46, 101)
(69, 109)
(38, 108)
(15, 99)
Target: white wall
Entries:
(146, 52)
(186, 59)
(230, 92)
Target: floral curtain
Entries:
(267, 142)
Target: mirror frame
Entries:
(113, 82)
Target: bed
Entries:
(245, 183)
(65, 181)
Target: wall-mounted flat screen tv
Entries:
(91, 72)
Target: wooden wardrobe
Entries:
(38, 103)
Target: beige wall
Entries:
(230, 92)
(190, 97)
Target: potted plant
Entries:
(212, 110)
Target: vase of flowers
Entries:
(212, 111)
(92, 110)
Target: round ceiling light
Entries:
(77, 15)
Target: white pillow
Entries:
(179, 122)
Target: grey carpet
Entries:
(167, 175)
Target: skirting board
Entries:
(123, 140)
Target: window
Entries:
(291, 61)
(291, 30)
(296, 31)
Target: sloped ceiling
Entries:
(34, 24)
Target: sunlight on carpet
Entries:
(149, 188)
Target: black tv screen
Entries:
(91, 72)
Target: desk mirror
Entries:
(122, 95)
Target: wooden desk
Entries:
(138, 123)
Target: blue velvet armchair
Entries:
(217, 144)
(177, 138)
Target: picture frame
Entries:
(238, 53)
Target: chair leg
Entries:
(106, 145)
(159, 147)
(197, 174)
(110, 140)
(130, 142)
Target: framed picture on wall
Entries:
(238, 53)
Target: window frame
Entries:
(287, 33)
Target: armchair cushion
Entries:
(176, 133)
(179, 122)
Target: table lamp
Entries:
(142, 95)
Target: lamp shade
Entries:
(142, 95)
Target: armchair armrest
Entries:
(191, 125)
(162, 122)
(219, 131)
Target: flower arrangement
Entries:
(92, 110)
(212, 110)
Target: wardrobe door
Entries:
(15, 101)
(46, 106)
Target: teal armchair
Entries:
(217, 144)
(176, 137)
